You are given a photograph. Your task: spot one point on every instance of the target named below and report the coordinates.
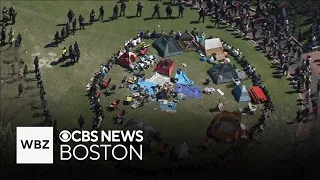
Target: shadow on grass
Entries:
(194, 22)
(291, 92)
(60, 60)
(52, 44)
(30, 87)
(67, 64)
(37, 115)
(61, 24)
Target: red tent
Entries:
(126, 59)
(165, 66)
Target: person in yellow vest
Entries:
(64, 53)
(11, 36)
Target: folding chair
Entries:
(115, 104)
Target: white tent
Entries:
(159, 79)
(210, 46)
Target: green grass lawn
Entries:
(65, 86)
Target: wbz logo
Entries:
(34, 145)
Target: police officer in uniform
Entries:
(19, 39)
(201, 15)
(3, 35)
(74, 25)
(156, 11)
(92, 15)
(70, 15)
(76, 51)
(64, 53)
(139, 9)
(71, 52)
(123, 9)
(115, 12)
(81, 22)
(11, 12)
(101, 10)
(57, 38)
(181, 9)
(168, 11)
(67, 29)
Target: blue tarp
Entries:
(183, 79)
(146, 85)
(172, 107)
(189, 91)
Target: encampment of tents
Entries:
(126, 59)
(241, 93)
(226, 126)
(210, 46)
(167, 46)
(150, 135)
(188, 42)
(222, 73)
(165, 66)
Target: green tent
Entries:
(222, 73)
(167, 46)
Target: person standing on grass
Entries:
(71, 51)
(81, 122)
(307, 97)
(36, 63)
(81, 22)
(64, 53)
(92, 15)
(139, 9)
(57, 38)
(20, 88)
(123, 7)
(115, 12)
(156, 11)
(3, 35)
(74, 25)
(168, 11)
(180, 9)
(285, 69)
(201, 15)
(70, 15)
(63, 34)
(67, 29)
(101, 11)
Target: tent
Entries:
(167, 46)
(165, 66)
(180, 151)
(126, 59)
(188, 42)
(210, 46)
(150, 135)
(222, 73)
(241, 93)
(226, 126)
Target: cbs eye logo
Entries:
(65, 136)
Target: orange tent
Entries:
(126, 59)
(165, 66)
(226, 127)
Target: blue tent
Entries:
(241, 93)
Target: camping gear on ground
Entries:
(226, 126)
(105, 84)
(168, 106)
(128, 100)
(115, 104)
(237, 82)
(167, 46)
(241, 93)
(241, 74)
(136, 104)
(158, 79)
(211, 46)
(220, 92)
(188, 42)
(182, 78)
(165, 66)
(142, 51)
(150, 135)
(257, 94)
(209, 90)
(203, 59)
(189, 91)
(127, 59)
(252, 107)
(132, 80)
(180, 151)
(222, 73)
